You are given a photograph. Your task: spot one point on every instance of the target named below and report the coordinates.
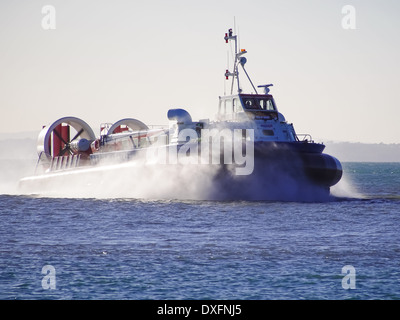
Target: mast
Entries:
(239, 59)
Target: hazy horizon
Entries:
(108, 60)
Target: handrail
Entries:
(306, 137)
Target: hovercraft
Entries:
(254, 153)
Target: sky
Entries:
(107, 60)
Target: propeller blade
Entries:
(67, 148)
(59, 136)
(77, 135)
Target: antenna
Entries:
(238, 38)
(236, 33)
(238, 59)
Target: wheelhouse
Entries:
(251, 106)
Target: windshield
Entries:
(259, 104)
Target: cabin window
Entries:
(250, 103)
(228, 106)
(259, 104)
(221, 107)
(236, 105)
(266, 104)
(268, 133)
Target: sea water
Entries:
(125, 248)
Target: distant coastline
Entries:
(364, 152)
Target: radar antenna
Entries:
(266, 87)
